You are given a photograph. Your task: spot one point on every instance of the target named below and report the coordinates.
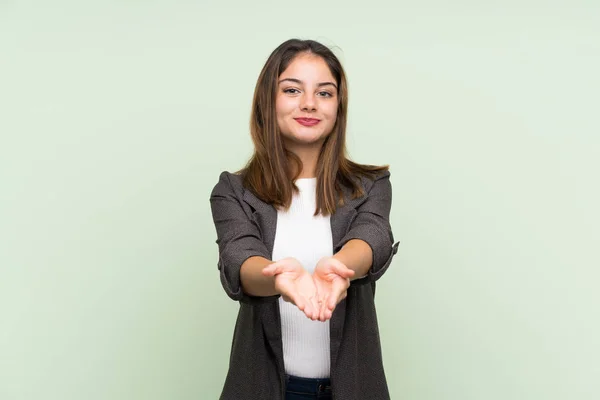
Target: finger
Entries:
(299, 302)
(306, 306)
(326, 312)
(322, 303)
(319, 290)
(339, 287)
(325, 306)
(321, 300)
(342, 296)
(333, 300)
(318, 313)
(315, 305)
(302, 306)
(315, 313)
(316, 300)
(308, 309)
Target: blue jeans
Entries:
(307, 388)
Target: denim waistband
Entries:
(307, 385)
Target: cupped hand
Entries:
(295, 285)
(332, 279)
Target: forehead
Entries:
(308, 67)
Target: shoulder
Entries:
(381, 175)
(381, 179)
(228, 183)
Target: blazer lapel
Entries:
(266, 217)
(340, 224)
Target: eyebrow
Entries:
(298, 81)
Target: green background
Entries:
(116, 119)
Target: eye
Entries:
(288, 90)
(326, 94)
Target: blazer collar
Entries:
(266, 216)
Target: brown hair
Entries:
(268, 174)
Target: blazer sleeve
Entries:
(238, 238)
(372, 225)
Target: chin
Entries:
(308, 138)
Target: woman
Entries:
(303, 234)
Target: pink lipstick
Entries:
(307, 121)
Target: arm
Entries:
(240, 243)
(370, 227)
(357, 255)
(253, 281)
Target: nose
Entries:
(308, 102)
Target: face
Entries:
(306, 102)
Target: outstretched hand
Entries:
(316, 295)
(332, 279)
(295, 284)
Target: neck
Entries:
(309, 155)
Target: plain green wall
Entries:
(116, 119)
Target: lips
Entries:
(307, 121)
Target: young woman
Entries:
(303, 234)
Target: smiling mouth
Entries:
(307, 121)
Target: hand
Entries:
(295, 284)
(332, 279)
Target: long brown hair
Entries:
(268, 174)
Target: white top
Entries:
(307, 238)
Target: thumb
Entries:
(271, 270)
(343, 271)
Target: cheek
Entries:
(332, 113)
(283, 107)
(278, 108)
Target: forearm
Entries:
(254, 283)
(357, 256)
